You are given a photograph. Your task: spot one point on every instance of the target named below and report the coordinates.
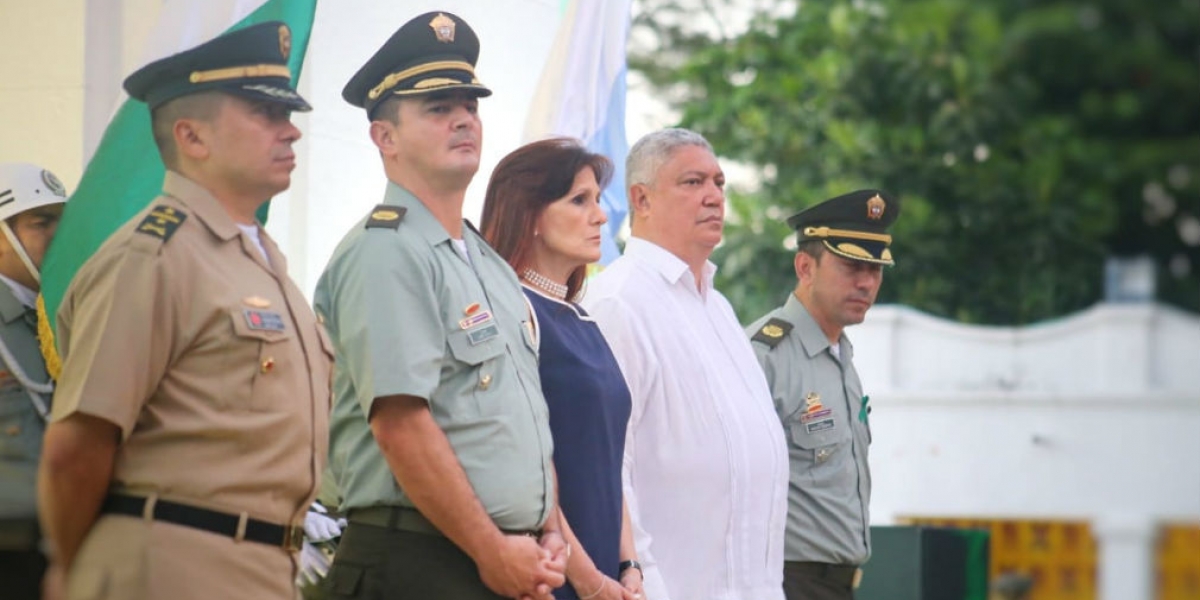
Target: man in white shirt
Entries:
(706, 465)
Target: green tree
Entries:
(1027, 140)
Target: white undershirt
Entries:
(251, 231)
(836, 350)
(461, 245)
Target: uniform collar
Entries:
(202, 204)
(11, 309)
(811, 336)
(671, 267)
(422, 221)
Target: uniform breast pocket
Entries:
(265, 360)
(479, 350)
(822, 446)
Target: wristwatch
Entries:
(629, 564)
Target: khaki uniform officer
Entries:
(440, 437)
(189, 427)
(31, 201)
(809, 364)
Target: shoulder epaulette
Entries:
(386, 216)
(162, 222)
(772, 332)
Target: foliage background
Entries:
(1028, 140)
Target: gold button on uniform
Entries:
(13, 430)
(485, 382)
(268, 365)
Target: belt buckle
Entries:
(293, 538)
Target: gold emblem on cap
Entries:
(385, 215)
(256, 302)
(443, 28)
(772, 331)
(875, 208)
(285, 41)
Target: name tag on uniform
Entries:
(818, 420)
(482, 334)
(821, 425)
(264, 320)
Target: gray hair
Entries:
(654, 149)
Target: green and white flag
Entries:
(126, 173)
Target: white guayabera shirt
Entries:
(706, 466)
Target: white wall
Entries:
(1093, 417)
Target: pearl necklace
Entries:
(544, 283)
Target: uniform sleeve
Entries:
(389, 335)
(117, 329)
(619, 324)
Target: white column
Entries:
(1125, 565)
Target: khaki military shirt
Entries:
(820, 402)
(409, 315)
(21, 426)
(212, 364)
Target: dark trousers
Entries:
(21, 573)
(377, 563)
(817, 581)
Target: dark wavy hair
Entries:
(524, 183)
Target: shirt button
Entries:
(485, 382)
(267, 365)
(12, 430)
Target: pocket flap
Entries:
(818, 433)
(476, 345)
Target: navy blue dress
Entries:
(589, 410)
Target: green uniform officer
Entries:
(31, 202)
(809, 364)
(440, 438)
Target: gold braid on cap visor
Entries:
(391, 80)
(828, 232)
(240, 73)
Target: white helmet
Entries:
(25, 186)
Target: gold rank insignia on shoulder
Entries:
(162, 222)
(386, 216)
(443, 28)
(772, 332)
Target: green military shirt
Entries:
(409, 315)
(21, 427)
(824, 414)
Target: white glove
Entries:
(314, 564)
(320, 528)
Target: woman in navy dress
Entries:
(542, 214)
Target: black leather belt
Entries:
(846, 576)
(409, 519)
(288, 537)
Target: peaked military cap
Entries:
(250, 62)
(852, 225)
(431, 53)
